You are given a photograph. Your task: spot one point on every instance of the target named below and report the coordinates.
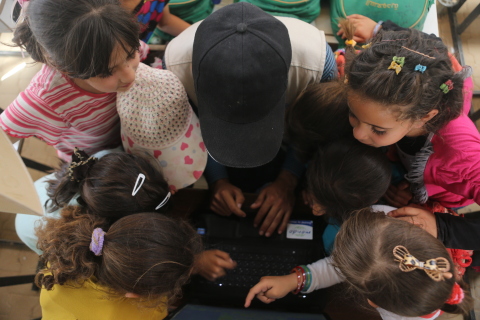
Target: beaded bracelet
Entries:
(300, 279)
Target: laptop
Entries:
(201, 312)
(258, 256)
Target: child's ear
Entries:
(131, 295)
(420, 123)
(372, 304)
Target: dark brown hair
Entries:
(415, 93)
(149, 254)
(363, 253)
(77, 37)
(105, 187)
(318, 116)
(347, 175)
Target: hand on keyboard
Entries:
(211, 264)
(271, 288)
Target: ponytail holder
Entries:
(420, 68)
(457, 295)
(351, 43)
(96, 245)
(397, 64)
(446, 86)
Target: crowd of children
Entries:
(390, 125)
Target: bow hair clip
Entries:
(397, 64)
(436, 268)
(420, 68)
(447, 86)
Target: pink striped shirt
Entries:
(63, 115)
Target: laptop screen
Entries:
(200, 312)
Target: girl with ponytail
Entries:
(94, 267)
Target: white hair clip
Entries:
(138, 183)
(164, 201)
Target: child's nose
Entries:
(360, 133)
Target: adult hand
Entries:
(363, 28)
(211, 264)
(271, 288)
(226, 198)
(400, 195)
(276, 203)
(417, 216)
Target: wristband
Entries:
(308, 278)
(377, 27)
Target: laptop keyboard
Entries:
(254, 262)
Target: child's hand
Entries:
(271, 288)
(363, 28)
(211, 264)
(418, 216)
(400, 195)
(276, 204)
(226, 198)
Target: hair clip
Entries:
(420, 68)
(79, 158)
(138, 183)
(351, 43)
(366, 46)
(164, 201)
(422, 54)
(397, 64)
(96, 245)
(437, 268)
(446, 86)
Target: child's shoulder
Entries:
(47, 80)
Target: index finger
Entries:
(256, 289)
(233, 201)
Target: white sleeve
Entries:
(324, 275)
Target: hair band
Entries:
(351, 43)
(446, 86)
(138, 183)
(422, 54)
(457, 295)
(397, 64)
(420, 68)
(96, 245)
(436, 268)
(164, 201)
(79, 158)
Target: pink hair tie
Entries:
(457, 295)
(96, 245)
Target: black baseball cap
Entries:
(241, 58)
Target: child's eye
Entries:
(377, 132)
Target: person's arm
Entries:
(458, 232)
(455, 232)
(330, 67)
(172, 24)
(323, 275)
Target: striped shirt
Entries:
(63, 115)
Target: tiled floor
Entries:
(20, 302)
